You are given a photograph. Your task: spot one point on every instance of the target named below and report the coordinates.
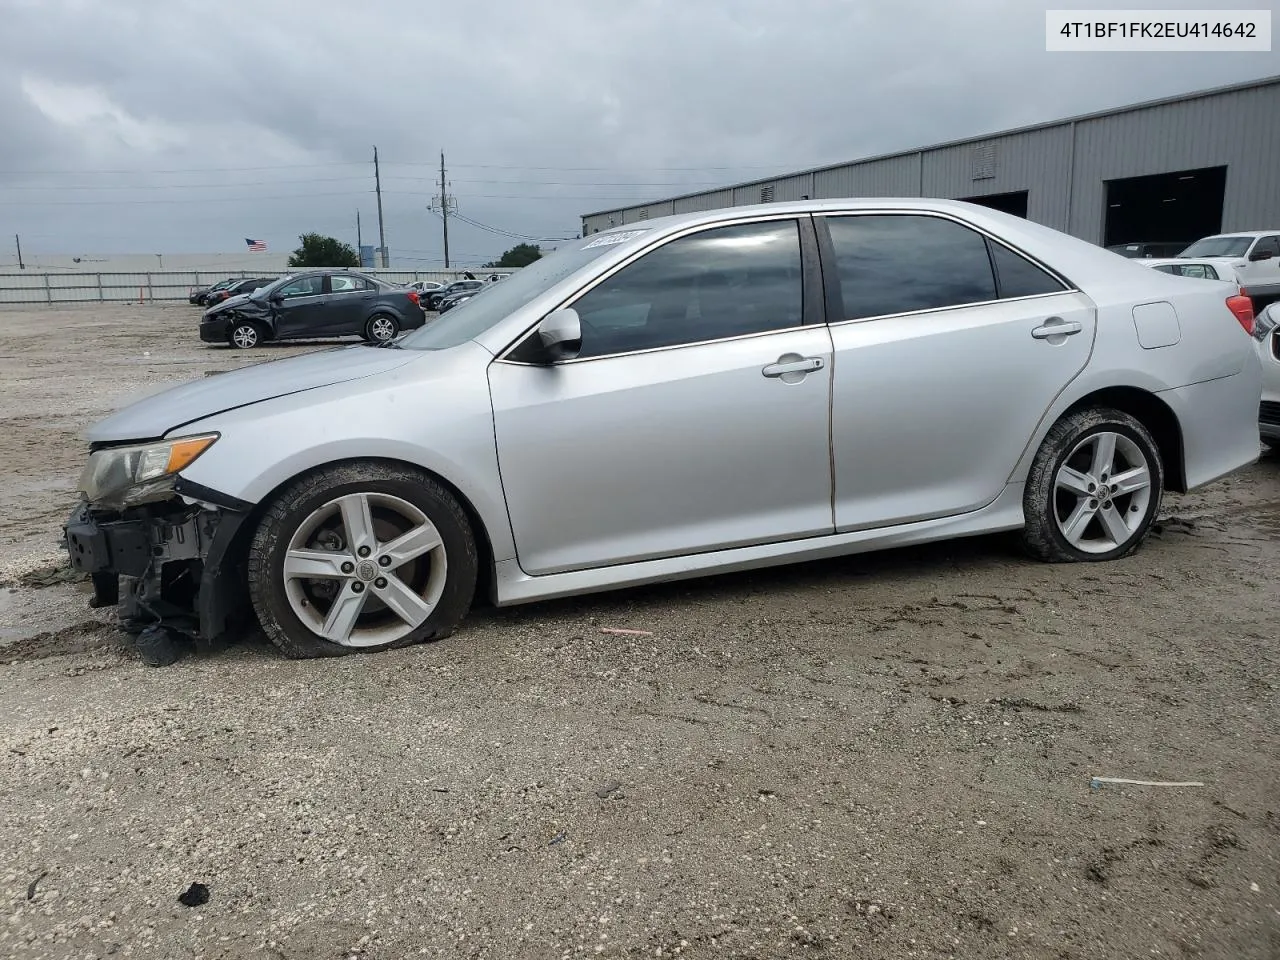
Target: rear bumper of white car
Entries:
(1219, 421)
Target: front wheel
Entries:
(361, 556)
(244, 335)
(1094, 488)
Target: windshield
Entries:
(473, 317)
(1218, 247)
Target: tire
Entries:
(1064, 522)
(437, 584)
(381, 327)
(245, 335)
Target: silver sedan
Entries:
(701, 393)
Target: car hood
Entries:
(156, 415)
(239, 300)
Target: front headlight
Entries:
(123, 476)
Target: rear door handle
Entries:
(1057, 327)
(783, 367)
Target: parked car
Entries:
(701, 393)
(317, 303)
(1267, 335)
(238, 289)
(423, 287)
(435, 296)
(201, 296)
(1136, 251)
(1254, 254)
(1202, 268)
(461, 296)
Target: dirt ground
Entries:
(883, 756)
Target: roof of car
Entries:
(1242, 233)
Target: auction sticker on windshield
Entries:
(610, 238)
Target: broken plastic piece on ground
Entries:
(1096, 782)
(628, 633)
(159, 646)
(196, 895)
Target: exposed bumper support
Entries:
(178, 563)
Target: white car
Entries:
(1267, 332)
(1254, 254)
(1201, 268)
(424, 286)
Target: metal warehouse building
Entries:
(1168, 170)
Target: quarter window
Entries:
(724, 282)
(1017, 276)
(896, 264)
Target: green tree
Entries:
(317, 250)
(521, 255)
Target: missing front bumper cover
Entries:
(178, 564)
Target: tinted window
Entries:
(895, 264)
(1017, 276)
(302, 287)
(719, 283)
(1269, 245)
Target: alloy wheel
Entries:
(381, 328)
(245, 336)
(1101, 492)
(365, 569)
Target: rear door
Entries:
(949, 348)
(349, 302)
(300, 311)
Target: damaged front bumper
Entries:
(178, 562)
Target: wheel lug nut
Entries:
(1093, 487)
(380, 582)
(1114, 488)
(384, 561)
(357, 587)
(364, 551)
(1093, 504)
(348, 567)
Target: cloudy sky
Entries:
(176, 126)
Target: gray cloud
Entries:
(158, 107)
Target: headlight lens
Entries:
(122, 476)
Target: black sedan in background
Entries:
(316, 303)
(435, 296)
(236, 289)
(201, 296)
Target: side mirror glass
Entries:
(560, 334)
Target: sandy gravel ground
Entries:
(883, 756)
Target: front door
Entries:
(1261, 277)
(949, 349)
(301, 309)
(695, 417)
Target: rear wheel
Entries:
(381, 328)
(245, 335)
(361, 557)
(1094, 488)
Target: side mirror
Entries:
(277, 297)
(560, 334)
(1261, 255)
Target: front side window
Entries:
(302, 287)
(1269, 245)
(895, 263)
(724, 282)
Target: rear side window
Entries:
(1017, 276)
(897, 264)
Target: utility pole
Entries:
(382, 236)
(359, 235)
(444, 209)
(18, 241)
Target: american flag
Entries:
(256, 246)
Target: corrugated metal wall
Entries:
(1062, 167)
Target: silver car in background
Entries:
(707, 392)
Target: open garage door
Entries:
(1176, 207)
(1015, 203)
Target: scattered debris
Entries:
(558, 838)
(627, 633)
(608, 789)
(160, 646)
(196, 895)
(1096, 782)
(1022, 703)
(31, 887)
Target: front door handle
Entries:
(1057, 327)
(786, 365)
